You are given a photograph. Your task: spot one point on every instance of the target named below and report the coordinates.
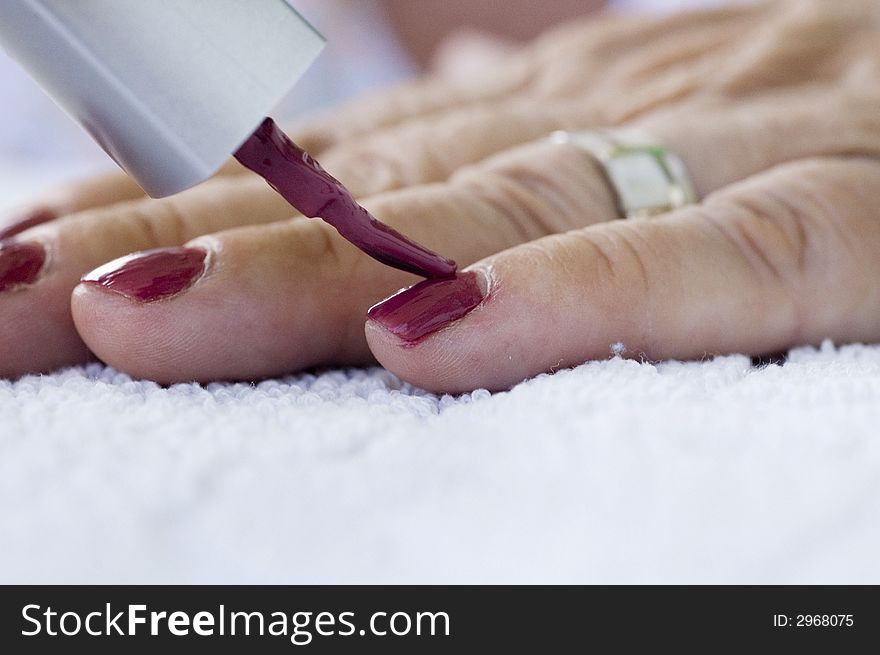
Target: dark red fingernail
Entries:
(429, 305)
(20, 264)
(16, 224)
(152, 274)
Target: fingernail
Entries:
(20, 264)
(9, 227)
(429, 305)
(152, 274)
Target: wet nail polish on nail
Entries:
(428, 306)
(20, 264)
(152, 274)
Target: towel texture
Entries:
(616, 471)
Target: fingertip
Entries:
(436, 363)
(447, 336)
(144, 340)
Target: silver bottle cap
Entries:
(169, 88)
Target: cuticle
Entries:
(487, 275)
(208, 265)
(49, 255)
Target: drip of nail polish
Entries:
(428, 306)
(31, 219)
(152, 274)
(294, 174)
(20, 263)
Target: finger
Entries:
(723, 144)
(429, 148)
(739, 52)
(624, 66)
(41, 266)
(785, 258)
(719, 144)
(605, 58)
(419, 98)
(573, 87)
(99, 191)
(278, 298)
(433, 148)
(513, 197)
(801, 42)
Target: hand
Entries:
(777, 133)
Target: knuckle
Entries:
(807, 231)
(318, 242)
(607, 264)
(156, 223)
(153, 224)
(526, 213)
(804, 31)
(171, 223)
(621, 253)
(609, 270)
(770, 231)
(370, 166)
(541, 188)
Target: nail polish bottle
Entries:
(169, 89)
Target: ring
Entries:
(647, 179)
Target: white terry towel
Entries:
(614, 472)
